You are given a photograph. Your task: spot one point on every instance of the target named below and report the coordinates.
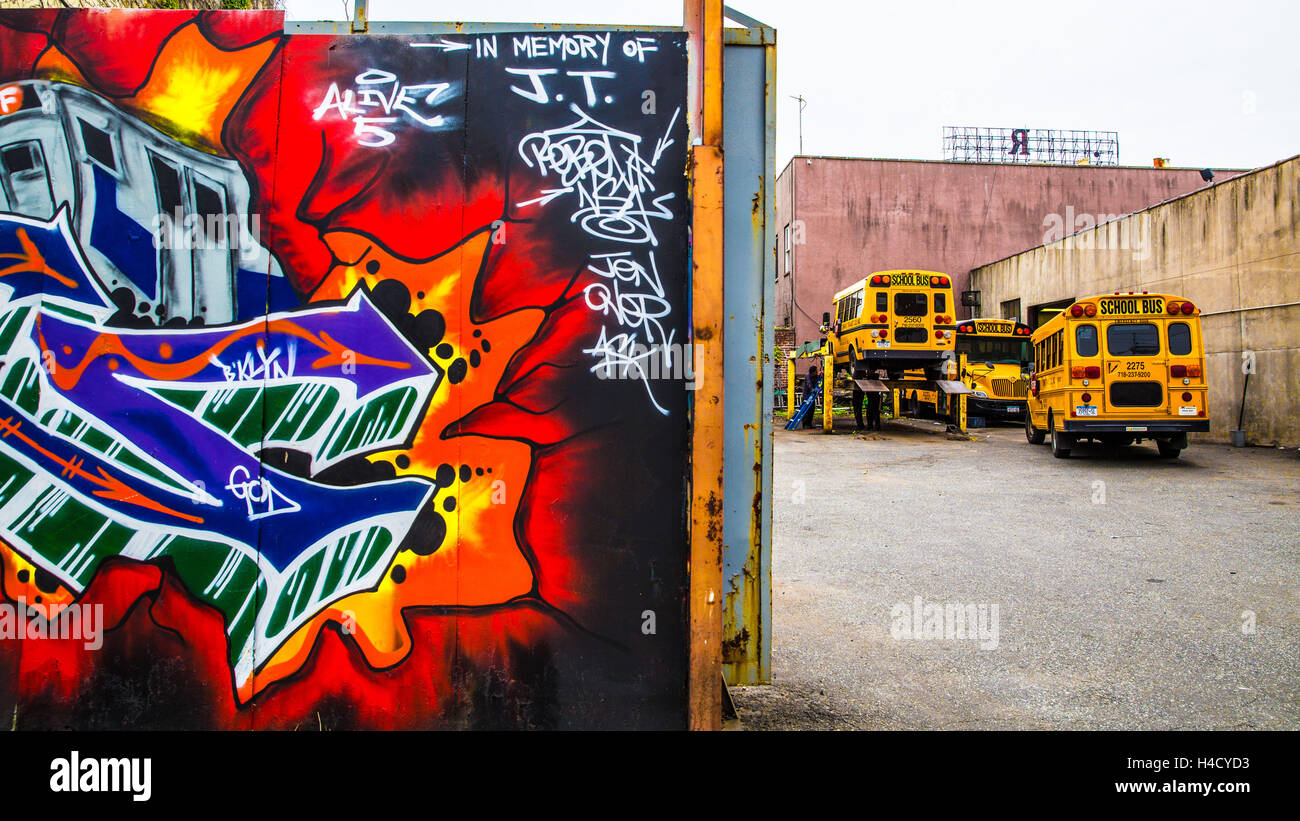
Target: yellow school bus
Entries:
(1119, 368)
(892, 321)
(997, 355)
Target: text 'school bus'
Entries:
(1119, 368)
(997, 356)
(892, 320)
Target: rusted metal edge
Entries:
(704, 697)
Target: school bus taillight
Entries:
(1187, 397)
(1179, 371)
(1085, 372)
(1086, 398)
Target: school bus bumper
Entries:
(895, 353)
(979, 406)
(1144, 426)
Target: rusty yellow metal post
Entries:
(703, 20)
(790, 407)
(961, 398)
(828, 393)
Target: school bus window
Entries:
(1180, 339)
(992, 350)
(940, 303)
(1085, 340)
(909, 304)
(882, 301)
(1136, 339)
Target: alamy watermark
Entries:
(73, 773)
(77, 622)
(629, 359)
(1098, 232)
(180, 231)
(951, 621)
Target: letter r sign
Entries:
(1020, 139)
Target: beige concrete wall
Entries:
(1231, 249)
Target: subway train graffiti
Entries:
(324, 375)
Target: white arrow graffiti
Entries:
(444, 44)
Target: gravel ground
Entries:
(1120, 581)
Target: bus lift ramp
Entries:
(871, 385)
(949, 386)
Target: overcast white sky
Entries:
(1202, 83)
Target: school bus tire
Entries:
(1032, 434)
(1169, 449)
(1061, 443)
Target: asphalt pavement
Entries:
(1111, 590)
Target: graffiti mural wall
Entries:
(341, 378)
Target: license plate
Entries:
(1085, 410)
(1136, 428)
(1013, 409)
(1185, 411)
(882, 343)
